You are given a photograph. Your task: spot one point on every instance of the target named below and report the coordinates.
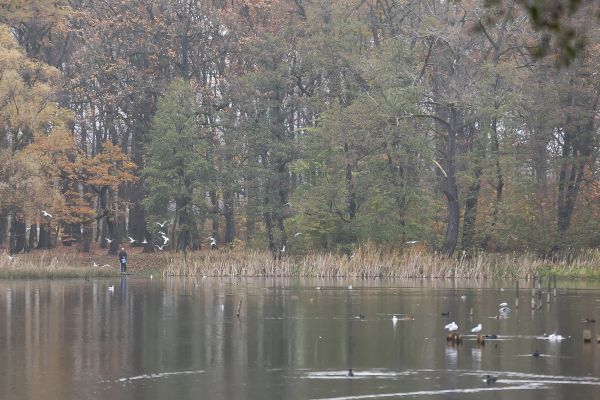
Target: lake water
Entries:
(294, 339)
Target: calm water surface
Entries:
(294, 339)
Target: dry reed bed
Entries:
(370, 262)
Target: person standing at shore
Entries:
(123, 260)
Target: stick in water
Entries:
(239, 308)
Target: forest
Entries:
(298, 126)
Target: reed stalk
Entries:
(371, 262)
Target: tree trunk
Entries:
(477, 151)
(86, 238)
(3, 228)
(19, 232)
(214, 200)
(44, 239)
(32, 236)
(450, 187)
(228, 212)
(183, 224)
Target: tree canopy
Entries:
(298, 126)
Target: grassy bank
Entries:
(371, 262)
(46, 265)
(367, 262)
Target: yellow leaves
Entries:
(57, 169)
(27, 89)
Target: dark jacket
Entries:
(123, 257)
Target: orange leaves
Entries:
(56, 160)
(109, 168)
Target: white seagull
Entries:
(297, 234)
(166, 239)
(504, 311)
(131, 240)
(111, 289)
(163, 224)
(95, 264)
(283, 249)
(412, 242)
(109, 240)
(162, 233)
(451, 326)
(476, 329)
(46, 214)
(503, 304)
(160, 247)
(213, 242)
(144, 241)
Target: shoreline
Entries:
(367, 263)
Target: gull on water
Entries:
(111, 289)
(476, 328)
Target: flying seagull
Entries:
(109, 240)
(166, 239)
(163, 224)
(46, 214)
(131, 240)
(161, 247)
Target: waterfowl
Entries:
(445, 314)
(489, 379)
(588, 320)
(476, 328)
(350, 373)
(493, 336)
(554, 337)
(504, 310)
(535, 354)
(451, 326)
(394, 319)
(359, 316)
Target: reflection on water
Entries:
(294, 339)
